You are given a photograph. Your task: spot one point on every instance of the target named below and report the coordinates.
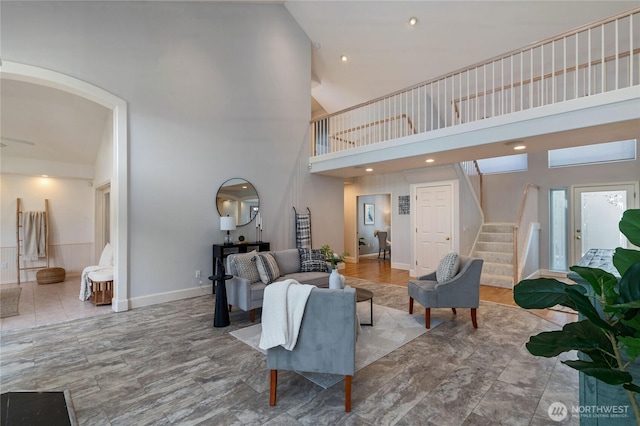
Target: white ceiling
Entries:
(385, 55)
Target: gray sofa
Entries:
(247, 293)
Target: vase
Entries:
(336, 280)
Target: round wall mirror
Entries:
(238, 198)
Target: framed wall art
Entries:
(403, 204)
(369, 214)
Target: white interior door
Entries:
(597, 211)
(434, 227)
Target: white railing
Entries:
(527, 215)
(597, 58)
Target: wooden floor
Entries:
(380, 270)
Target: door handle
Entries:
(578, 237)
(447, 238)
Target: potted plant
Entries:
(608, 336)
(333, 257)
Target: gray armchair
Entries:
(383, 245)
(326, 341)
(462, 291)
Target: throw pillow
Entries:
(246, 266)
(267, 268)
(312, 260)
(448, 267)
(106, 258)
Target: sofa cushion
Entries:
(312, 260)
(267, 267)
(288, 261)
(448, 267)
(319, 279)
(246, 266)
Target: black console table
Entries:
(220, 253)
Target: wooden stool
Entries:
(101, 287)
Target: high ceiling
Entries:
(385, 54)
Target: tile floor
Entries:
(50, 303)
(166, 365)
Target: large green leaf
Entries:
(584, 306)
(598, 278)
(541, 293)
(630, 226)
(630, 284)
(601, 372)
(624, 258)
(581, 335)
(632, 320)
(631, 387)
(632, 344)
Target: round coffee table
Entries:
(363, 295)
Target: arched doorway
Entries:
(119, 176)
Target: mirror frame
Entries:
(226, 193)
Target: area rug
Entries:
(37, 408)
(392, 329)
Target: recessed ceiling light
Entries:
(344, 58)
(519, 147)
(429, 160)
(369, 169)
(44, 176)
(413, 21)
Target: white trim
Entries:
(170, 296)
(119, 179)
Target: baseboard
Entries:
(549, 273)
(403, 266)
(170, 296)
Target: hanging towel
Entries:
(282, 310)
(34, 243)
(303, 231)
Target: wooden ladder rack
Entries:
(20, 238)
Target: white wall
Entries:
(104, 160)
(215, 91)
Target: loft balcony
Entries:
(578, 88)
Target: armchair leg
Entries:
(252, 315)
(411, 305)
(427, 317)
(473, 318)
(347, 393)
(272, 387)
(454, 311)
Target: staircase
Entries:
(495, 246)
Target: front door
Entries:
(434, 227)
(597, 211)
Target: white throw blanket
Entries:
(85, 285)
(34, 231)
(282, 310)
